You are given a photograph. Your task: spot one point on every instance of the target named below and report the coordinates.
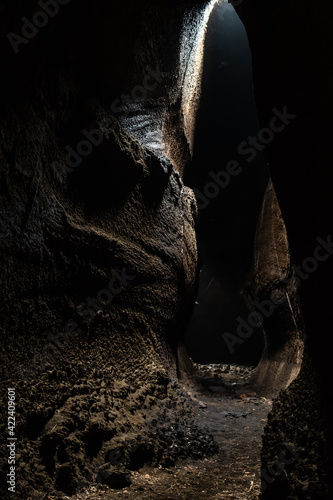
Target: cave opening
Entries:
(229, 206)
(238, 365)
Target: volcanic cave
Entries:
(165, 233)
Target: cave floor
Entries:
(236, 418)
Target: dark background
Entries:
(226, 228)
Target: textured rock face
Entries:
(292, 70)
(98, 244)
(271, 292)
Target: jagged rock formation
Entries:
(97, 237)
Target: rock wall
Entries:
(291, 46)
(271, 293)
(97, 241)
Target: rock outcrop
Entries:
(97, 237)
(271, 293)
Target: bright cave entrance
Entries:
(233, 382)
(227, 215)
(228, 406)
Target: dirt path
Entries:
(236, 421)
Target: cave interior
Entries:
(166, 245)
